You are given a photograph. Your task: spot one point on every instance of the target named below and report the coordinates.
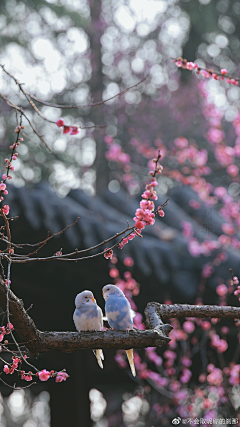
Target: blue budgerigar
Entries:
(119, 314)
(88, 317)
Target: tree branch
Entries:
(23, 324)
(186, 310)
(72, 341)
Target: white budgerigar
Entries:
(119, 314)
(88, 317)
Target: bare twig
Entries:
(43, 241)
(14, 387)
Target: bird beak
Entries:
(103, 294)
(92, 298)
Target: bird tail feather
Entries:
(99, 356)
(131, 361)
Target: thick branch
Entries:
(23, 324)
(71, 341)
(186, 310)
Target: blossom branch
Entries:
(206, 72)
(20, 110)
(15, 258)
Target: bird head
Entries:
(111, 290)
(84, 298)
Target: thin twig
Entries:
(16, 388)
(21, 245)
(23, 259)
(16, 108)
(96, 104)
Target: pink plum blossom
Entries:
(108, 253)
(114, 273)
(188, 326)
(221, 290)
(5, 209)
(232, 170)
(66, 129)
(6, 369)
(74, 130)
(61, 376)
(26, 377)
(206, 325)
(128, 261)
(223, 71)
(60, 123)
(44, 375)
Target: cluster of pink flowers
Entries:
(115, 154)
(5, 330)
(145, 149)
(187, 152)
(3, 187)
(234, 374)
(9, 369)
(43, 375)
(186, 376)
(204, 248)
(153, 356)
(74, 130)
(215, 376)
(196, 181)
(125, 240)
(145, 215)
(206, 73)
(5, 209)
(235, 280)
(130, 287)
(224, 154)
(108, 253)
(26, 376)
(237, 291)
(219, 344)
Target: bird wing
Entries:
(100, 317)
(87, 319)
(118, 312)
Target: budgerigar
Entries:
(88, 317)
(119, 314)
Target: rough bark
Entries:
(71, 341)
(186, 310)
